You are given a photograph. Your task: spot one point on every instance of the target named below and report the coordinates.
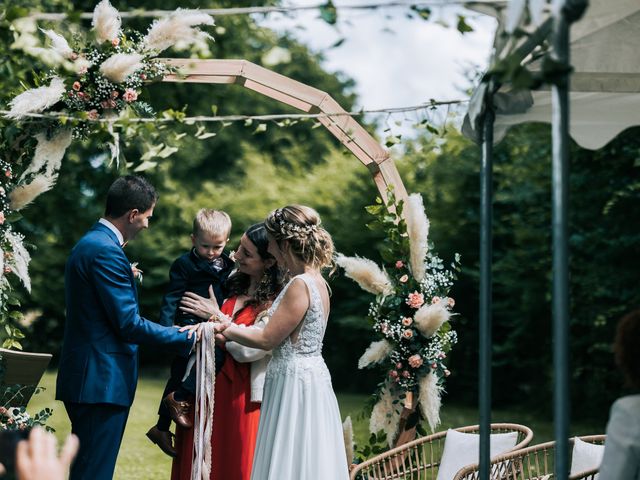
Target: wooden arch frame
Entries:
(303, 97)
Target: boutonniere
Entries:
(137, 273)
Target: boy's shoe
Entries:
(163, 439)
(178, 410)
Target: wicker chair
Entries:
(419, 459)
(530, 463)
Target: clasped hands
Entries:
(206, 309)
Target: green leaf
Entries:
(374, 209)
(146, 165)
(167, 151)
(423, 12)
(463, 27)
(329, 13)
(392, 140)
(260, 128)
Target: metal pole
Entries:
(560, 182)
(486, 203)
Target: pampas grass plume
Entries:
(347, 432)
(366, 273)
(20, 259)
(386, 415)
(429, 318)
(36, 99)
(58, 43)
(106, 21)
(175, 28)
(25, 194)
(119, 66)
(49, 153)
(430, 399)
(376, 352)
(418, 230)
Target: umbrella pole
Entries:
(486, 219)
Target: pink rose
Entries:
(393, 374)
(451, 302)
(7, 173)
(447, 373)
(434, 365)
(92, 114)
(399, 365)
(435, 300)
(143, 76)
(399, 264)
(76, 86)
(442, 355)
(415, 300)
(406, 374)
(2, 218)
(130, 95)
(408, 334)
(83, 70)
(415, 361)
(115, 42)
(73, 56)
(406, 321)
(404, 278)
(7, 269)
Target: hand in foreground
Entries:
(199, 306)
(37, 458)
(218, 328)
(193, 330)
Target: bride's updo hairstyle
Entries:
(299, 227)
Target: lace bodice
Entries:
(311, 333)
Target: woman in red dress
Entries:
(238, 387)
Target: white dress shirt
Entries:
(113, 228)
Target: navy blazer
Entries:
(99, 362)
(190, 273)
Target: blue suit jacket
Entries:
(99, 362)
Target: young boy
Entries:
(206, 264)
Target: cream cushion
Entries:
(462, 449)
(585, 456)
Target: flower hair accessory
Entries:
(290, 228)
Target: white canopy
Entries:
(605, 85)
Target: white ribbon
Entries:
(205, 396)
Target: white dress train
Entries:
(300, 433)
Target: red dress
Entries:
(235, 418)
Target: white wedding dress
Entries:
(300, 433)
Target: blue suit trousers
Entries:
(99, 427)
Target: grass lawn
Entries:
(141, 460)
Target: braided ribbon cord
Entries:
(205, 396)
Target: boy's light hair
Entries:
(212, 222)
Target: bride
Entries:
(300, 433)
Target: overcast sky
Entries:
(394, 60)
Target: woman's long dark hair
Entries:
(270, 284)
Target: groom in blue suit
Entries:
(99, 363)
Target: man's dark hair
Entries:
(127, 193)
(625, 347)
